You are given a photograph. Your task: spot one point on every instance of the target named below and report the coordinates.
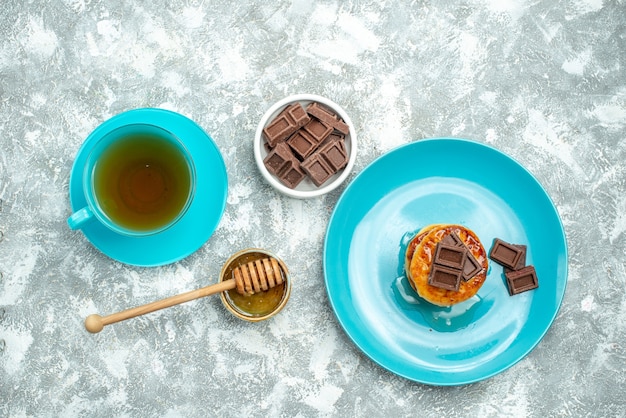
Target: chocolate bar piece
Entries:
(522, 260)
(318, 130)
(452, 239)
(504, 253)
(521, 280)
(282, 163)
(278, 158)
(302, 143)
(337, 136)
(452, 256)
(292, 174)
(444, 277)
(334, 152)
(286, 123)
(471, 267)
(327, 117)
(317, 168)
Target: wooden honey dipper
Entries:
(248, 279)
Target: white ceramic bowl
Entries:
(306, 189)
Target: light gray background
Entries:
(544, 81)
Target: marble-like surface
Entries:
(543, 81)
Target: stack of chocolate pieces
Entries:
(303, 143)
(452, 263)
(519, 276)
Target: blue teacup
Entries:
(138, 180)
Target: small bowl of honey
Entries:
(258, 268)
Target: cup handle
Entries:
(79, 218)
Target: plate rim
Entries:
(336, 310)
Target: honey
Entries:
(258, 304)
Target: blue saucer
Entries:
(203, 216)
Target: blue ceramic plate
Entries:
(200, 221)
(442, 181)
